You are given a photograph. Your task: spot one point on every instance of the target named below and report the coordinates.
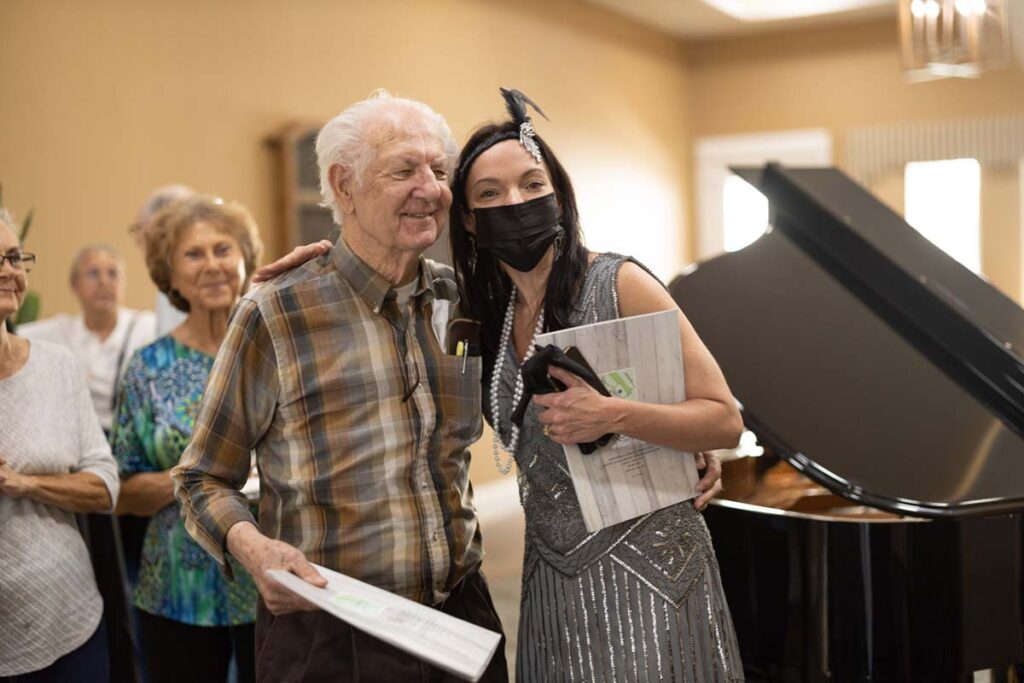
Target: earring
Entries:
(559, 244)
(472, 256)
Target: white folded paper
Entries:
(451, 644)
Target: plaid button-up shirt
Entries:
(360, 422)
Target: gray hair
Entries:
(347, 139)
(161, 197)
(7, 219)
(76, 263)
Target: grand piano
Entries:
(880, 537)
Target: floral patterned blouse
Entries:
(157, 406)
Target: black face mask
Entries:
(518, 234)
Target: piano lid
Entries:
(867, 357)
(970, 329)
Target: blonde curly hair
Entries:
(164, 231)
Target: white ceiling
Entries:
(694, 20)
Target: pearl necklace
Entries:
(497, 443)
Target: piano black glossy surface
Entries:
(889, 375)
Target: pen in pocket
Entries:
(462, 349)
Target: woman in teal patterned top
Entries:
(161, 392)
(192, 617)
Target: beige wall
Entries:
(101, 101)
(1001, 230)
(835, 78)
(844, 78)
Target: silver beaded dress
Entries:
(639, 601)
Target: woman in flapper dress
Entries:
(641, 600)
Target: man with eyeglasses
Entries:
(104, 334)
(336, 375)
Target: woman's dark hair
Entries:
(485, 289)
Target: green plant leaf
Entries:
(26, 224)
(29, 310)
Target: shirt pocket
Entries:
(459, 400)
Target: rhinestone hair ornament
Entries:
(515, 102)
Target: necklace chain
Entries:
(498, 444)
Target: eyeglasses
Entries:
(18, 260)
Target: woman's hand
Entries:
(710, 485)
(13, 484)
(295, 258)
(577, 415)
(74, 491)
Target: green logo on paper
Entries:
(357, 603)
(621, 383)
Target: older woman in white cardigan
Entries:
(54, 462)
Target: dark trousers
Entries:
(315, 646)
(103, 539)
(133, 533)
(87, 664)
(183, 653)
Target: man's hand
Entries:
(710, 485)
(13, 484)
(257, 553)
(295, 258)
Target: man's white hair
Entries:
(348, 139)
(95, 247)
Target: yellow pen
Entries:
(462, 349)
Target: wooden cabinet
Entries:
(299, 214)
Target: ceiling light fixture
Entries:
(944, 38)
(772, 10)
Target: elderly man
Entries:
(103, 337)
(336, 375)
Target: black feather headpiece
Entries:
(515, 103)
